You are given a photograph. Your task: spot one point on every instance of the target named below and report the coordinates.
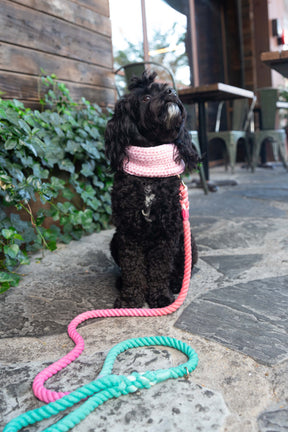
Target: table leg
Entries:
(203, 137)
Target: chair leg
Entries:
(282, 153)
(195, 142)
(203, 178)
(275, 149)
(256, 152)
(231, 146)
(248, 150)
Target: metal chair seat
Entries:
(241, 122)
(269, 133)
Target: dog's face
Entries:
(158, 112)
(151, 114)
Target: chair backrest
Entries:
(124, 74)
(242, 114)
(268, 103)
(249, 122)
(239, 114)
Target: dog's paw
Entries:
(175, 286)
(161, 301)
(120, 303)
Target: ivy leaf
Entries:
(59, 131)
(38, 171)
(24, 260)
(68, 194)
(4, 286)
(8, 233)
(91, 148)
(24, 126)
(87, 169)
(17, 173)
(66, 207)
(10, 144)
(72, 147)
(66, 165)
(12, 250)
(94, 133)
(94, 204)
(10, 115)
(28, 145)
(57, 184)
(8, 279)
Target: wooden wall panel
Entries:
(100, 6)
(71, 12)
(70, 38)
(18, 59)
(25, 87)
(33, 29)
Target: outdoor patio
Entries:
(235, 317)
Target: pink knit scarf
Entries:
(153, 161)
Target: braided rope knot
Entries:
(107, 386)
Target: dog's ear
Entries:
(186, 150)
(119, 133)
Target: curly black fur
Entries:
(148, 242)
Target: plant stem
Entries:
(33, 223)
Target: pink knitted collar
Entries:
(153, 161)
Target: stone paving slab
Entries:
(234, 234)
(240, 206)
(248, 317)
(274, 420)
(157, 409)
(59, 289)
(232, 266)
(266, 193)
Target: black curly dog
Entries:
(148, 242)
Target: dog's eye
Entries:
(146, 98)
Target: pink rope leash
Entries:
(49, 395)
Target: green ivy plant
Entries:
(55, 156)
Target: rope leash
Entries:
(110, 385)
(107, 386)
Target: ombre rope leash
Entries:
(108, 385)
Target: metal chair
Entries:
(242, 118)
(269, 133)
(124, 74)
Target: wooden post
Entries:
(144, 26)
(192, 24)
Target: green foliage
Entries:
(57, 157)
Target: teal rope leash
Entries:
(107, 386)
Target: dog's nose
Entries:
(171, 91)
